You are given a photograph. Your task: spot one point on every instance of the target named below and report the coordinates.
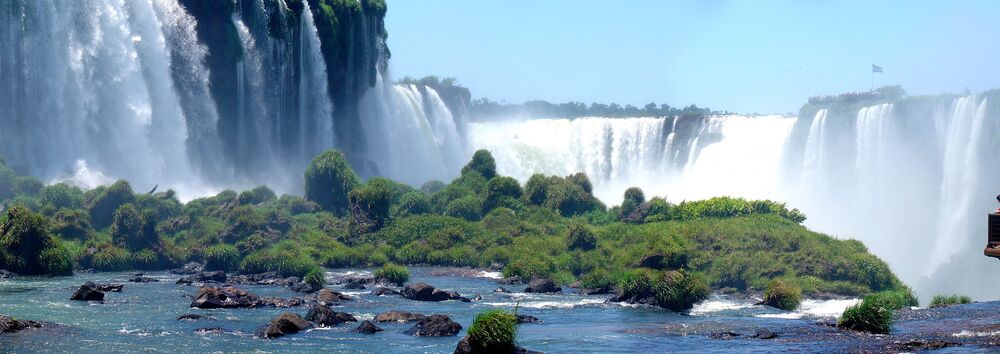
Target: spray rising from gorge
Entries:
(170, 93)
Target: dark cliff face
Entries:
(352, 39)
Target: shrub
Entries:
(636, 282)
(867, 316)
(483, 163)
(145, 259)
(26, 246)
(133, 230)
(315, 278)
(110, 258)
(581, 237)
(61, 195)
(493, 331)
(467, 208)
(581, 180)
(329, 179)
(393, 273)
(946, 300)
(598, 279)
(679, 290)
(633, 198)
(103, 206)
(369, 206)
(414, 203)
(72, 224)
(56, 260)
(782, 295)
(287, 262)
(501, 191)
(893, 299)
(258, 195)
(222, 257)
(432, 187)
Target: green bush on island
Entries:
(867, 316)
(553, 228)
(493, 331)
(328, 181)
(782, 295)
(946, 300)
(392, 273)
(315, 278)
(26, 247)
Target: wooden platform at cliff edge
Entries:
(993, 241)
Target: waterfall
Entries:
(412, 136)
(315, 109)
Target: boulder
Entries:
(10, 325)
(425, 292)
(225, 297)
(188, 269)
(280, 302)
(327, 296)
(88, 292)
(465, 347)
(194, 317)
(399, 316)
(383, 291)
(542, 285)
(765, 334)
(368, 327)
(435, 326)
(527, 319)
(652, 261)
(110, 288)
(303, 287)
(284, 324)
(203, 277)
(325, 317)
(354, 284)
(140, 278)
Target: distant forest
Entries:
(484, 109)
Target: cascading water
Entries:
(412, 135)
(315, 108)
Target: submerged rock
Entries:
(194, 317)
(5, 274)
(435, 326)
(383, 291)
(527, 319)
(303, 287)
(325, 317)
(266, 278)
(203, 278)
(399, 316)
(88, 292)
(189, 268)
(285, 324)
(210, 330)
(141, 278)
(502, 290)
(280, 302)
(11, 325)
(225, 297)
(511, 280)
(765, 334)
(426, 292)
(367, 327)
(542, 285)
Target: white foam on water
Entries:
(548, 304)
(815, 308)
(491, 275)
(718, 305)
(969, 334)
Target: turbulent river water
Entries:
(142, 318)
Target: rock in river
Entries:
(325, 317)
(435, 326)
(285, 324)
(399, 316)
(425, 292)
(88, 292)
(367, 327)
(541, 285)
(225, 297)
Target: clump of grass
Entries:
(493, 331)
(867, 316)
(782, 295)
(947, 300)
(315, 278)
(893, 299)
(392, 273)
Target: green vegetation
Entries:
(893, 299)
(392, 273)
(782, 295)
(946, 300)
(550, 227)
(315, 278)
(485, 109)
(867, 316)
(493, 331)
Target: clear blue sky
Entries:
(744, 56)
